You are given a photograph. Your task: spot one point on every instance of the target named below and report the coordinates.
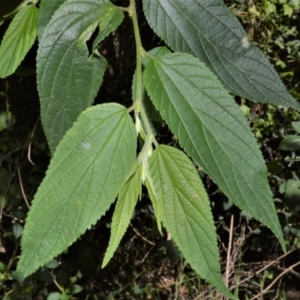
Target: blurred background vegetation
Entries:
(147, 265)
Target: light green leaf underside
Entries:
(46, 11)
(68, 77)
(213, 131)
(123, 212)
(208, 30)
(85, 176)
(17, 40)
(184, 208)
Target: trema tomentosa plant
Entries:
(94, 148)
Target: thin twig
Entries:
(265, 267)
(276, 279)
(14, 255)
(58, 286)
(22, 188)
(278, 289)
(143, 238)
(30, 141)
(291, 271)
(228, 262)
(145, 256)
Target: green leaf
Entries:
(123, 212)
(291, 189)
(17, 40)
(6, 120)
(295, 231)
(296, 125)
(209, 31)
(54, 296)
(75, 289)
(65, 296)
(213, 131)
(2, 267)
(68, 77)
(185, 211)
(46, 11)
(156, 52)
(85, 176)
(53, 264)
(290, 143)
(109, 23)
(17, 230)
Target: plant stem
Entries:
(140, 52)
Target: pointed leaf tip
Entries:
(124, 211)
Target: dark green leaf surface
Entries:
(68, 76)
(123, 212)
(46, 11)
(208, 30)
(85, 176)
(290, 143)
(184, 208)
(109, 23)
(213, 131)
(17, 40)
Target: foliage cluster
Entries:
(86, 173)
